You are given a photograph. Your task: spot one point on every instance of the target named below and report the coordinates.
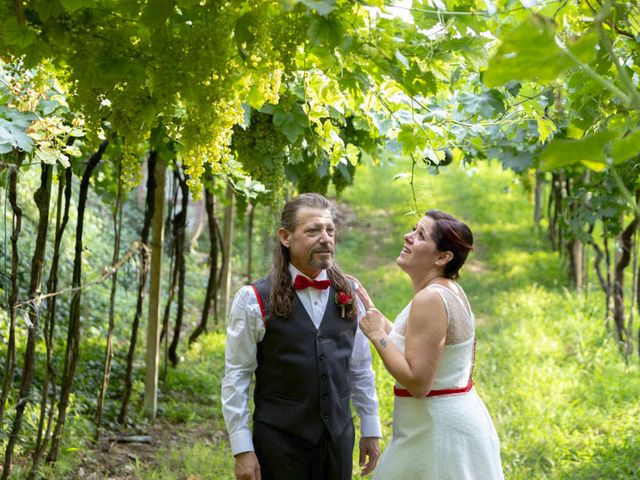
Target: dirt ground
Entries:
(114, 458)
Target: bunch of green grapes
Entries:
(147, 69)
(342, 176)
(310, 169)
(262, 150)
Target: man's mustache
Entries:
(322, 250)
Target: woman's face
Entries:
(419, 252)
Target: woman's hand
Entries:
(373, 324)
(362, 293)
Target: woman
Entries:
(441, 428)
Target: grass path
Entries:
(563, 401)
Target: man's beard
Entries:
(320, 263)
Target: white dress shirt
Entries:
(246, 328)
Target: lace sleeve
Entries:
(459, 319)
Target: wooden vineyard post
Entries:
(153, 331)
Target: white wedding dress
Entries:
(445, 437)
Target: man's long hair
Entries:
(282, 298)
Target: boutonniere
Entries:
(342, 300)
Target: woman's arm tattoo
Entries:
(383, 343)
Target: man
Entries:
(296, 329)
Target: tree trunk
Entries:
(609, 265)
(223, 256)
(212, 283)
(10, 362)
(42, 199)
(626, 240)
(62, 218)
(537, 198)
(199, 224)
(250, 215)
(267, 235)
(597, 264)
(180, 231)
(638, 306)
(575, 249)
(151, 377)
(108, 352)
(73, 331)
(578, 201)
(142, 282)
(559, 203)
(171, 290)
(170, 240)
(553, 210)
(634, 290)
(225, 282)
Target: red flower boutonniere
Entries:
(342, 300)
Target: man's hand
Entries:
(247, 466)
(369, 454)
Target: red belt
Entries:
(401, 392)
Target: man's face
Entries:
(312, 243)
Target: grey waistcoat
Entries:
(303, 379)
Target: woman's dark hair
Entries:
(282, 297)
(451, 235)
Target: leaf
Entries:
(255, 98)
(518, 161)
(626, 148)
(352, 153)
(402, 59)
(47, 9)
(12, 134)
(417, 82)
(513, 88)
(156, 13)
(596, 166)
(586, 47)
(589, 150)
(342, 169)
(528, 53)
(410, 140)
(48, 106)
(546, 127)
(322, 7)
(72, 6)
(51, 156)
(243, 33)
(487, 104)
(401, 175)
(291, 122)
(325, 31)
(20, 119)
(16, 35)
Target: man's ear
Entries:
(285, 237)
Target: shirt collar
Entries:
(294, 271)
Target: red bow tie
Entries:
(301, 282)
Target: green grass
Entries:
(199, 460)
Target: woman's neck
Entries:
(422, 282)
